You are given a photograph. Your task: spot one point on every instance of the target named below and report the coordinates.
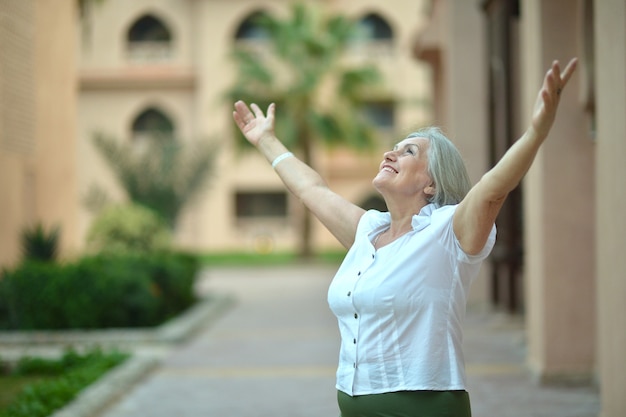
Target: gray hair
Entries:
(445, 167)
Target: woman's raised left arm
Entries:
(477, 213)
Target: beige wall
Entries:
(37, 121)
(55, 64)
(610, 31)
(17, 134)
(559, 211)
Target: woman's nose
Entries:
(389, 156)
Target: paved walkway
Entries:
(274, 354)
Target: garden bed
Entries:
(47, 344)
(40, 386)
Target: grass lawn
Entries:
(274, 258)
(37, 387)
(12, 385)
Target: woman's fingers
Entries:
(242, 113)
(551, 79)
(237, 113)
(560, 79)
(556, 70)
(238, 120)
(241, 108)
(569, 70)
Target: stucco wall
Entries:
(610, 31)
(559, 208)
(37, 122)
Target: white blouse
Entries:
(400, 309)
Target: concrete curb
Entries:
(173, 331)
(98, 396)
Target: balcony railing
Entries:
(150, 51)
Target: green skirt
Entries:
(406, 404)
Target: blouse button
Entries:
(349, 293)
(354, 341)
(356, 316)
(359, 274)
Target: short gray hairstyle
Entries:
(445, 167)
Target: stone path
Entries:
(274, 354)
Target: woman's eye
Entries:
(410, 151)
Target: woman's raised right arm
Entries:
(339, 215)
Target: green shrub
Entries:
(5, 299)
(166, 175)
(72, 373)
(128, 228)
(101, 291)
(39, 244)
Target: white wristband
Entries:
(281, 158)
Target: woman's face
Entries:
(404, 170)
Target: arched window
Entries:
(250, 29)
(380, 113)
(375, 36)
(149, 40)
(374, 27)
(149, 29)
(152, 123)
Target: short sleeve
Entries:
(485, 251)
(444, 218)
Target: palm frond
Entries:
(164, 175)
(327, 126)
(305, 54)
(354, 82)
(197, 169)
(252, 68)
(96, 198)
(308, 48)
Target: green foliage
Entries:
(102, 291)
(72, 373)
(39, 244)
(253, 259)
(298, 66)
(161, 173)
(306, 56)
(128, 228)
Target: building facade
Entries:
(121, 67)
(557, 260)
(166, 63)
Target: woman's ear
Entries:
(430, 190)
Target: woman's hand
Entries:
(548, 99)
(476, 214)
(254, 126)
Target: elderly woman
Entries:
(400, 293)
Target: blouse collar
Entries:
(422, 219)
(418, 221)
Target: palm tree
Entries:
(163, 174)
(300, 64)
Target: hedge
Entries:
(101, 291)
